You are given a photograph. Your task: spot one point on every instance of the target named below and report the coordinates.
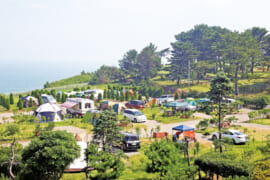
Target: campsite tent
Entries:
(204, 100)
(49, 112)
(183, 128)
(26, 101)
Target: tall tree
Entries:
(182, 53)
(106, 129)
(149, 62)
(221, 87)
(129, 64)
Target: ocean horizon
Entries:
(21, 76)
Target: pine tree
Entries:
(7, 104)
(122, 97)
(99, 97)
(105, 94)
(109, 94)
(140, 97)
(182, 95)
(92, 96)
(20, 104)
(63, 99)
(127, 95)
(11, 99)
(175, 96)
(31, 102)
(40, 100)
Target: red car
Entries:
(138, 104)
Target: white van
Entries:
(134, 115)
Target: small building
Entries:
(78, 106)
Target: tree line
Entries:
(208, 49)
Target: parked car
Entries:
(165, 99)
(128, 141)
(236, 136)
(138, 104)
(134, 115)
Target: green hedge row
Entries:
(219, 164)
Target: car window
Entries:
(132, 138)
(231, 133)
(138, 113)
(238, 133)
(163, 96)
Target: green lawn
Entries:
(158, 112)
(260, 121)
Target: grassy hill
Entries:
(83, 78)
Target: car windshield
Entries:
(132, 138)
(238, 133)
(163, 96)
(138, 113)
(139, 102)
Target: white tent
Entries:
(49, 112)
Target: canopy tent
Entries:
(68, 104)
(117, 106)
(49, 112)
(192, 103)
(204, 100)
(182, 128)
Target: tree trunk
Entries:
(11, 160)
(219, 125)
(236, 80)
(188, 158)
(252, 68)
(178, 81)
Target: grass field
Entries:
(260, 121)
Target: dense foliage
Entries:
(47, 156)
(163, 156)
(223, 165)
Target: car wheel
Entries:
(233, 141)
(122, 147)
(135, 120)
(214, 137)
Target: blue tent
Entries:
(204, 100)
(182, 128)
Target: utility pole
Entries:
(188, 74)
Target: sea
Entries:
(23, 76)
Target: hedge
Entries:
(220, 164)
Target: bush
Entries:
(258, 102)
(12, 129)
(223, 165)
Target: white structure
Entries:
(78, 106)
(79, 164)
(93, 91)
(49, 112)
(48, 98)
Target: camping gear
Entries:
(49, 112)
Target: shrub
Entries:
(223, 165)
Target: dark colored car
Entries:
(138, 104)
(129, 141)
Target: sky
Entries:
(88, 33)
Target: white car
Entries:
(236, 136)
(134, 115)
